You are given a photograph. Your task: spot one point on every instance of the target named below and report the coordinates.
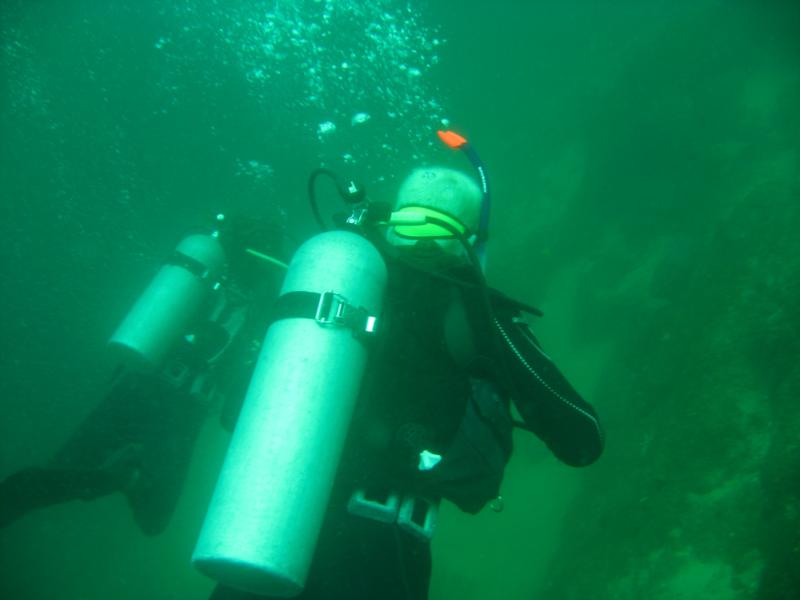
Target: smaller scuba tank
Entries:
(263, 521)
(170, 303)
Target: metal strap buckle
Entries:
(331, 309)
(334, 310)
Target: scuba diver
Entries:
(189, 341)
(384, 385)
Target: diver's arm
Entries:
(550, 407)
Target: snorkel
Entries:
(458, 142)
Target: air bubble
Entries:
(326, 128)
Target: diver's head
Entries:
(444, 195)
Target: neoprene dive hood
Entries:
(441, 193)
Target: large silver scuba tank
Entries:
(170, 303)
(262, 525)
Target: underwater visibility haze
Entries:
(645, 163)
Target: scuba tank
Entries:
(170, 303)
(266, 513)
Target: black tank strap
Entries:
(293, 305)
(194, 266)
(327, 309)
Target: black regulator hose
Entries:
(504, 370)
(351, 193)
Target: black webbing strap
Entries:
(194, 266)
(327, 309)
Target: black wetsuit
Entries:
(418, 396)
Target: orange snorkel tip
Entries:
(452, 139)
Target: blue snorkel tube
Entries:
(458, 142)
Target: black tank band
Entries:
(194, 266)
(327, 309)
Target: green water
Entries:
(644, 162)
